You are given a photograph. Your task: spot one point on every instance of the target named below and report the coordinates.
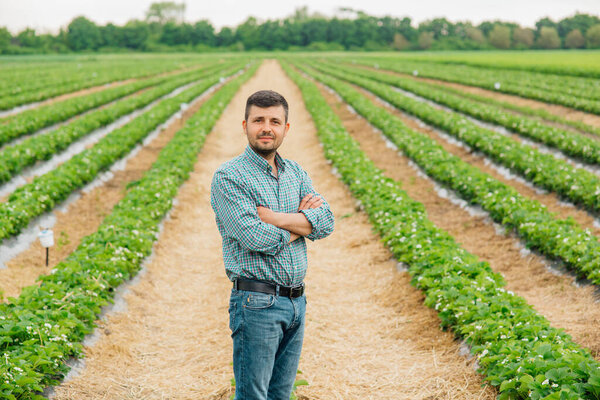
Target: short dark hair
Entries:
(264, 99)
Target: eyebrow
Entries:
(262, 117)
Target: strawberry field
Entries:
(478, 183)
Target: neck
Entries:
(271, 160)
(267, 155)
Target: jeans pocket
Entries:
(258, 301)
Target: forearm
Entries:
(295, 223)
(321, 220)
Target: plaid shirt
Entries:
(251, 248)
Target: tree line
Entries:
(164, 29)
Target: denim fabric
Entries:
(267, 332)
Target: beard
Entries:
(265, 152)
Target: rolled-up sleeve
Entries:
(321, 218)
(236, 212)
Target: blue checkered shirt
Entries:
(251, 248)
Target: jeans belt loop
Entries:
(277, 290)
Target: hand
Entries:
(311, 200)
(266, 215)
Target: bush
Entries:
(593, 37)
(549, 38)
(324, 46)
(500, 37)
(574, 40)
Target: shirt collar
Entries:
(261, 163)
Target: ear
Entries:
(244, 126)
(287, 128)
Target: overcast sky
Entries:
(50, 15)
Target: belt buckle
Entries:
(297, 291)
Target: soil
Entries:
(368, 334)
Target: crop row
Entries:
(44, 326)
(73, 78)
(517, 349)
(540, 113)
(576, 184)
(559, 239)
(585, 88)
(19, 75)
(556, 62)
(488, 80)
(574, 144)
(15, 158)
(31, 120)
(44, 192)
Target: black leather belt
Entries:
(269, 288)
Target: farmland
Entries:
(465, 261)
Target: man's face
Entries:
(265, 128)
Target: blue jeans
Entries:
(267, 332)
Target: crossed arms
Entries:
(260, 229)
(296, 223)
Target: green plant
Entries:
(63, 240)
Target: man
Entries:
(265, 206)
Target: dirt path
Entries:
(577, 312)
(368, 334)
(83, 217)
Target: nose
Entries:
(267, 127)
